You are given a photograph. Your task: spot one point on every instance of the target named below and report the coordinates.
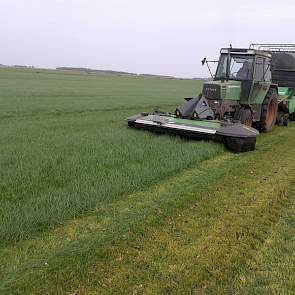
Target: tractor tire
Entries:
(244, 115)
(269, 111)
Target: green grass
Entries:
(271, 270)
(172, 216)
(66, 148)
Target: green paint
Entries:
(287, 94)
(229, 90)
(196, 123)
(259, 91)
(284, 91)
(291, 104)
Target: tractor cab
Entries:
(239, 86)
(235, 65)
(243, 65)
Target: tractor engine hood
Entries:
(225, 90)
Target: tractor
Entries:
(252, 89)
(253, 86)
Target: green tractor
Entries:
(255, 86)
(253, 89)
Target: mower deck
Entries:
(236, 137)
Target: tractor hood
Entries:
(226, 90)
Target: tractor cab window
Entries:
(221, 72)
(262, 70)
(267, 71)
(259, 69)
(241, 68)
(235, 67)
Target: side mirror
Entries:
(204, 61)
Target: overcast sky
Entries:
(142, 36)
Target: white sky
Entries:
(143, 36)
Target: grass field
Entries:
(90, 206)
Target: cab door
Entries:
(261, 80)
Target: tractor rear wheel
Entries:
(245, 116)
(269, 111)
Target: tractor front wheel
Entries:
(269, 111)
(245, 116)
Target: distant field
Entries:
(90, 206)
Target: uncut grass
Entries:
(61, 160)
(35, 93)
(181, 235)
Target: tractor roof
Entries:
(246, 51)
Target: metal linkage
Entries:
(273, 47)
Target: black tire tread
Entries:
(244, 114)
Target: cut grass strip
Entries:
(206, 222)
(272, 269)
